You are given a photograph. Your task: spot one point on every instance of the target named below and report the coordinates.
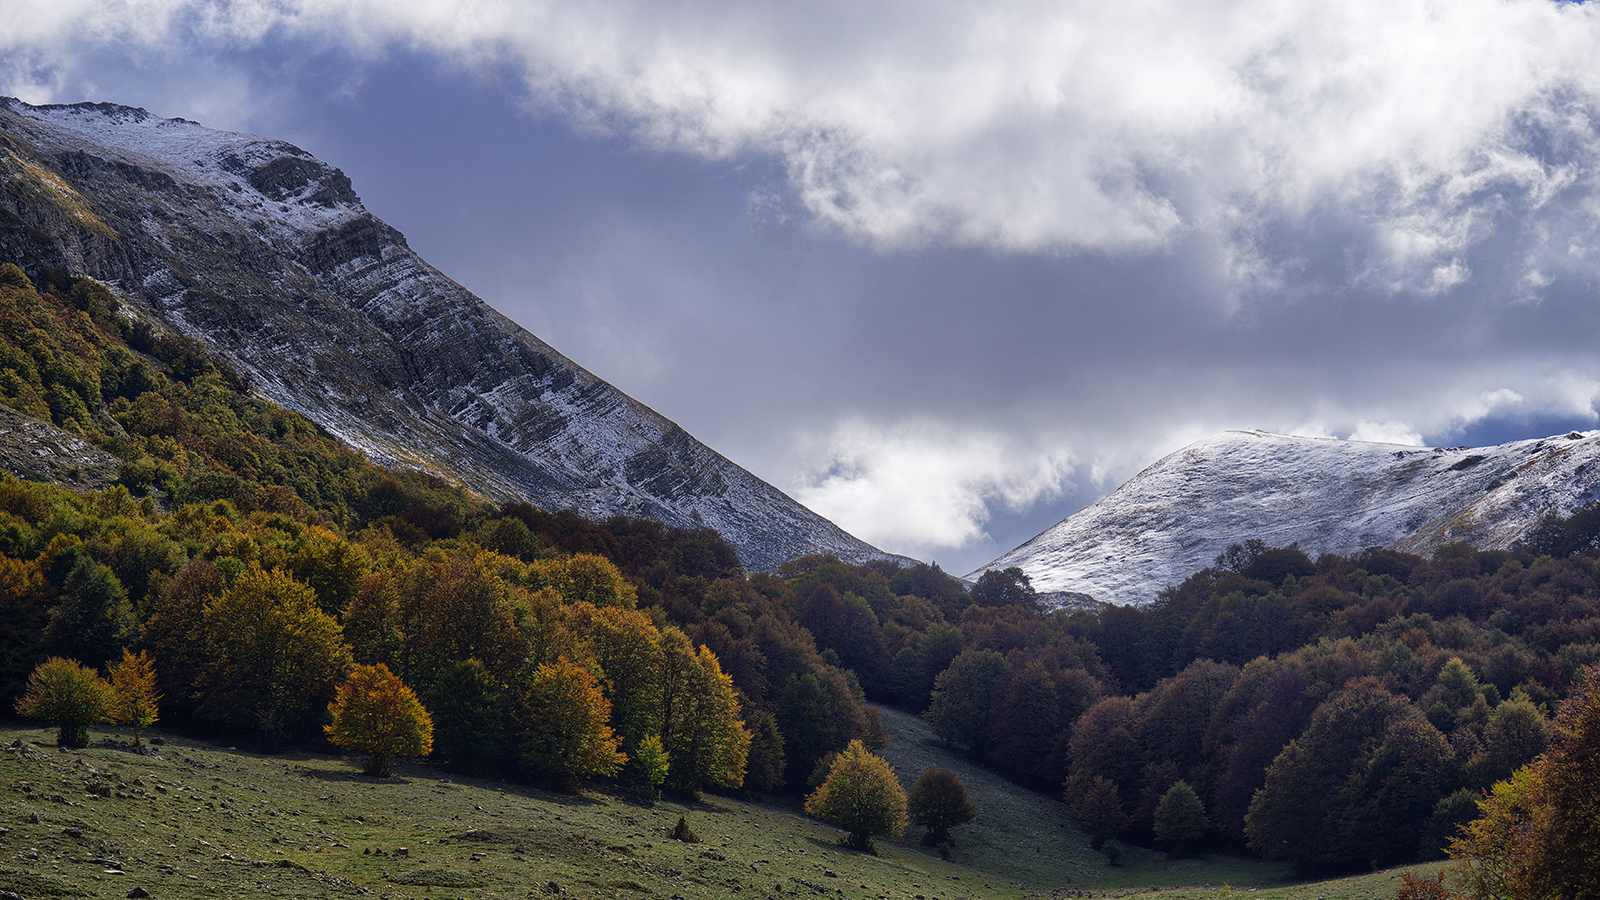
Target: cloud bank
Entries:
(1025, 126)
(1371, 219)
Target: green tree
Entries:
(1099, 810)
(375, 713)
(565, 737)
(133, 685)
(862, 796)
(939, 802)
(1516, 733)
(1181, 817)
(653, 764)
(473, 727)
(94, 620)
(963, 696)
(73, 697)
(1026, 723)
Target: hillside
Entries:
(267, 256)
(1329, 496)
(195, 818)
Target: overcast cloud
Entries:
(949, 271)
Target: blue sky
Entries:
(947, 272)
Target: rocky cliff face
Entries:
(1330, 496)
(267, 255)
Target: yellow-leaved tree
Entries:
(65, 692)
(375, 713)
(565, 737)
(862, 795)
(133, 688)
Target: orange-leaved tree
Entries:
(375, 713)
(1539, 833)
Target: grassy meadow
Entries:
(204, 821)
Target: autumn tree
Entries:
(375, 713)
(420, 617)
(565, 737)
(862, 795)
(66, 693)
(273, 658)
(629, 649)
(585, 577)
(23, 613)
(1539, 832)
(939, 802)
(133, 687)
(704, 737)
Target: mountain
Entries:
(267, 255)
(1330, 496)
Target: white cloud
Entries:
(1387, 433)
(918, 487)
(1020, 125)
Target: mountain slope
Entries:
(267, 255)
(1331, 496)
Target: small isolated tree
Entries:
(862, 796)
(133, 687)
(375, 713)
(71, 696)
(939, 802)
(1181, 817)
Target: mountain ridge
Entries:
(267, 255)
(1327, 495)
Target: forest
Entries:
(1340, 713)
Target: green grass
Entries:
(207, 821)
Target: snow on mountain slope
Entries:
(1330, 496)
(266, 254)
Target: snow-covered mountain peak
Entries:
(1327, 495)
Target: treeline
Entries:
(1340, 712)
